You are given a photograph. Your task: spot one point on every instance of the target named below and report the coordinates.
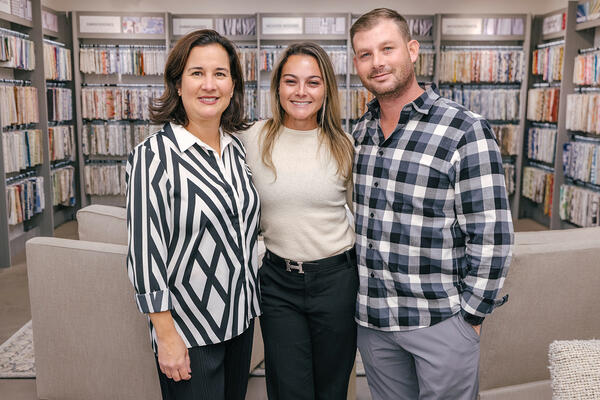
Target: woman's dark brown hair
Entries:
(169, 107)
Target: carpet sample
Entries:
(16, 355)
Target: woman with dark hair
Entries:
(192, 218)
(301, 161)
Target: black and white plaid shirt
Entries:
(433, 223)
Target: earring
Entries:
(179, 92)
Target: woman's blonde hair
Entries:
(328, 117)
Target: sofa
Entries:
(552, 284)
(77, 286)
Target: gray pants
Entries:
(437, 362)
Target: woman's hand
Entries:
(173, 356)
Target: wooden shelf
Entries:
(588, 25)
(122, 36)
(303, 37)
(16, 20)
(100, 157)
(424, 38)
(239, 38)
(483, 38)
(555, 35)
(233, 38)
(50, 33)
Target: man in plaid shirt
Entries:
(433, 225)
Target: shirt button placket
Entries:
(242, 223)
(379, 162)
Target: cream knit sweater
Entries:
(303, 217)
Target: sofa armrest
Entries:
(90, 340)
(552, 286)
(106, 224)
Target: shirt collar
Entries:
(424, 102)
(185, 139)
(421, 104)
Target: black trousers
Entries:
(308, 330)
(219, 371)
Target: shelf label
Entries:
(99, 24)
(282, 25)
(49, 21)
(143, 25)
(5, 6)
(553, 24)
(325, 25)
(462, 26)
(183, 26)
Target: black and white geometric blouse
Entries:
(192, 220)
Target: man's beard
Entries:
(403, 81)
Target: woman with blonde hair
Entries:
(301, 161)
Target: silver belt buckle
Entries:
(293, 265)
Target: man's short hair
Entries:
(373, 17)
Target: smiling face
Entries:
(206, 85)
(384, 60)
(301, 92)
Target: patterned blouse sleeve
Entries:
(148, 229)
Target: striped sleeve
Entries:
(483, 213)
(148, 228)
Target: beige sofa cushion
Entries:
(565, 235)
(106, 224)
(552, 287)
(575, 369)
(540, 390)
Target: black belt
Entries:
(316, 265)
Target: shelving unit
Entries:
(579, 36)
(57, 32)
(467, 33)
(548, 29)
(574, 38)
(13, 238)
(116, 33)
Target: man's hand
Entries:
(477, 329)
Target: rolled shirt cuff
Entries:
(472, 319)
(154, 301)
(476, 319)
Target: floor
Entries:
(15, 312)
